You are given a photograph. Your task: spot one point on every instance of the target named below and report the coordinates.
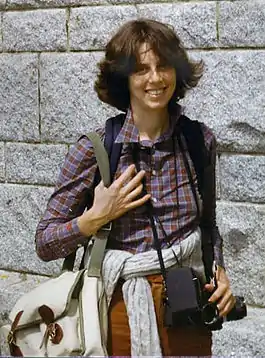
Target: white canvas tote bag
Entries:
(66, 315)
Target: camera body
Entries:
(186, 302)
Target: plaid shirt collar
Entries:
(130, 134)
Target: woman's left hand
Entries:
(223, 294)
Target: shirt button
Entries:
(153, 172)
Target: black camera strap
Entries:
(154, 221)
(188, 170)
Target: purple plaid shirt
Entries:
(166, 179)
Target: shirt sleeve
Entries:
(57, 233)
(209, 211)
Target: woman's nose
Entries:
(155, 76)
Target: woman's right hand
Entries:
(112, 202)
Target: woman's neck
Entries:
(150, 124)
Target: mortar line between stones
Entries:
(54, 7)
(25, 272)
(39, 97)
(2, 32)
(240, 203)
(252, 154)
(5, 165)
(192, 49)
(31, 9)
(29, 185)
(39, 143)
(226, 49)
(220, 175)
(158, 2)
(50, 186)
(58, 143)
(44, 142)
(217, 12)
(67, 26)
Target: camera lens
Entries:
(210, 313)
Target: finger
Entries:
(227, 308)
(125, 176)
(218, 293)
(134, 182)
(227, 297)
(138, 202)
(133, 194)
(209, 287)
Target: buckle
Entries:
(10, 338)
(106, 227)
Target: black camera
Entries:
(186, 302)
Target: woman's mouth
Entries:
(155, 92)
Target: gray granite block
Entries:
(37, 30)
(2, 162)
(34, 163)
(92, 27)
(69, 105)
(243, 178)
(230, 98)
(20, 210)
(19, 113)
(242, 227)
(242, 23)
(194, 22)
(21, 4)
(244, 338)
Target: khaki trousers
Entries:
(174, 341)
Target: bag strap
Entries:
(112, 129)
(200, 156)
(112, 153)
(192, 132)
(100, 238)
(113, 126)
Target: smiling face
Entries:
(153, 83)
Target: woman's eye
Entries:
(141, 70)
(163, 67)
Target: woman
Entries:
(144, 73)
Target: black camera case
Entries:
(186, 302)
(182, 296)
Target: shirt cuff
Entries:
(71, 237)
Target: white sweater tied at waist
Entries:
(137, 292)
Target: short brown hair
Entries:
(122, 55)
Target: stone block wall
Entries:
(48, 55)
